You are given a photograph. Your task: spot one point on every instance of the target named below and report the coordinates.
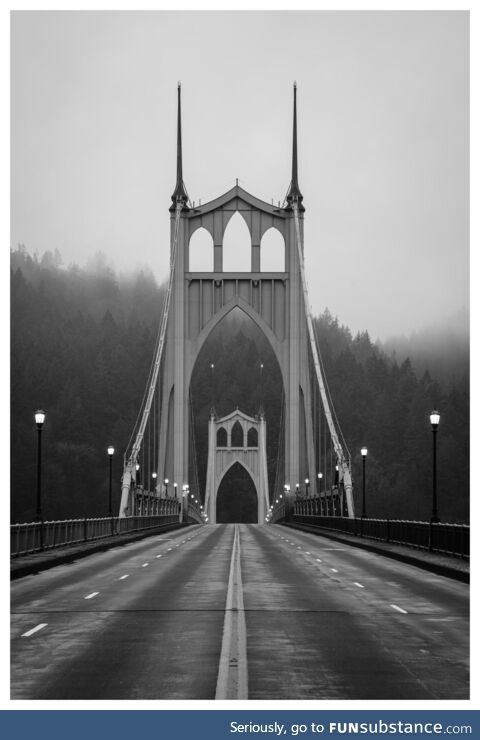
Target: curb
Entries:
(438, 568)
(69, 554)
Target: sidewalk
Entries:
(445, 565)
(25, 565)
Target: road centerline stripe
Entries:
(358, 584)
(34, 629)
(90, 596)
(123, 577)
(232, 680)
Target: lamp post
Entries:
(166, 487)
(434, 421)
(364, 452)
(110, 450)
(319, 491)
(307, 482)
(39, 421)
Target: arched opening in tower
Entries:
(245, 374)
(237, 500)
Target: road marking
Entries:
(399, 609)
(35, 629)
(169, 549)
(90, 596)
(158, 556)
(306, 552)
(334, 570)
(318, 560)
(145, 565)
(232, 680)
(337, 549)
(358, 584)
(123, 577)
(298, 547)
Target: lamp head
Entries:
(364, 451)
(110, 450)
(435, 419)
(320, 476)
(39, 418)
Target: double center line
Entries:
(232, 681)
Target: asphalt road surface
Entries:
(238, 611)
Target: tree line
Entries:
(82, 341)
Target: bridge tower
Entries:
(275, 301)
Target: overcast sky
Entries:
(383, 142)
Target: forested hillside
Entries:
(82, 344)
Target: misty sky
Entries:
(383, 142)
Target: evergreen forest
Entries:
(82, 341)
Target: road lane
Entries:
(155, 635)
(312, 633)
(322, 621)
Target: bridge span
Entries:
(239, 611)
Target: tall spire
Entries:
(180, 192)
(294, 190)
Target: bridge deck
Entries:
(321, 620)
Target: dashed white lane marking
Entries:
(158, 556)
(90, 596)
(358, 584)
(318, 560)
(123, 577)
(145, 565)
(298, 547)
(169, 549)
(334, 570)
(399, 609)
(35, 629)
(306, 552)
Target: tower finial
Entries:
(180, 192)
(294, 189)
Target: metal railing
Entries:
(451, 539)
(33, 537)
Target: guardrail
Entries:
(451, 539)
(33, 537)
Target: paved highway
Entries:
(238, 611)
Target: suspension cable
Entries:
(343, 462)
(159, 350)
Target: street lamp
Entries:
(364, 452)
(307, 481)
(434, 421)
(175, 486)
(39, 421)
(110, 451)
(166, 487)
(154, 476)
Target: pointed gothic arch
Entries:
(237, 245)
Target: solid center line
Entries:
(232, 681)
(358, 584)
(123, 577)
(399, 609)
(90, 596)
(35, 629)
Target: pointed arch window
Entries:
(222, 437)
(252, 437)
(200, 251)
(237, 435)
(237, 245)
(272, 251)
